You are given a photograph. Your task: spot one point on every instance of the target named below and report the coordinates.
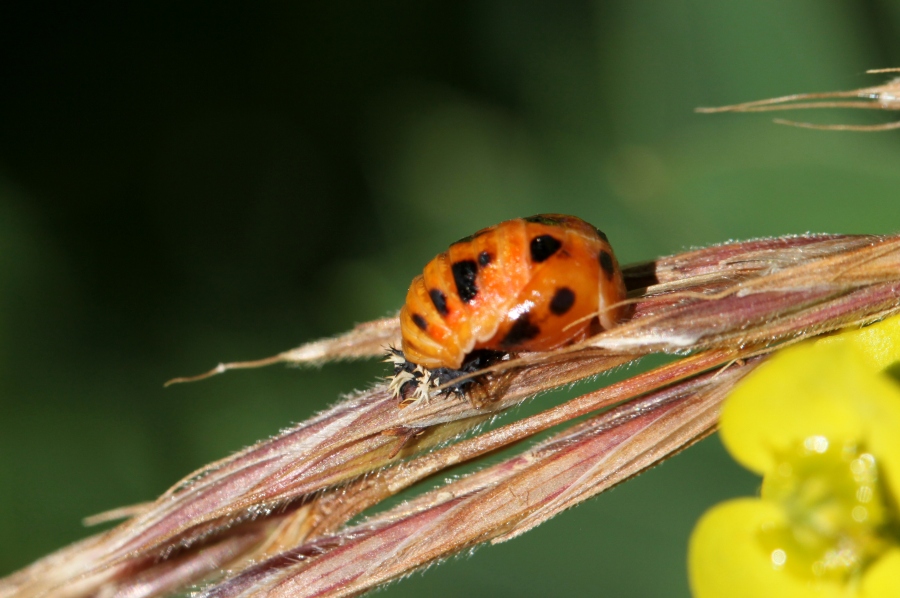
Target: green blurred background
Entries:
(185, 183)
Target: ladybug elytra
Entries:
(529, 284)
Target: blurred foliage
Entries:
(187, 183)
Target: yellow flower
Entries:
(821, 423)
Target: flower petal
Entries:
(883, 577)
(818, 397)
(726, 557)
(879, 343)
(801, 392)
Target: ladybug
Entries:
(529, 284)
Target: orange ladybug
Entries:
(528, 284)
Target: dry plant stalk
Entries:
(879, 97)
(271, 519)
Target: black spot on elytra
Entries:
(562, 301)
(543, 247)
(419, 321)
(606, 262)
(522, 330)
(601, 234)
(464, 273)
(543, 219)
(439, 300)
(484, 258)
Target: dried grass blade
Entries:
(811, 296)
(371, 339)
(363, 341)
(496, 503)
(308, 481)
(879, 97)
(276, 476)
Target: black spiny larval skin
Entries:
(475, 361)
